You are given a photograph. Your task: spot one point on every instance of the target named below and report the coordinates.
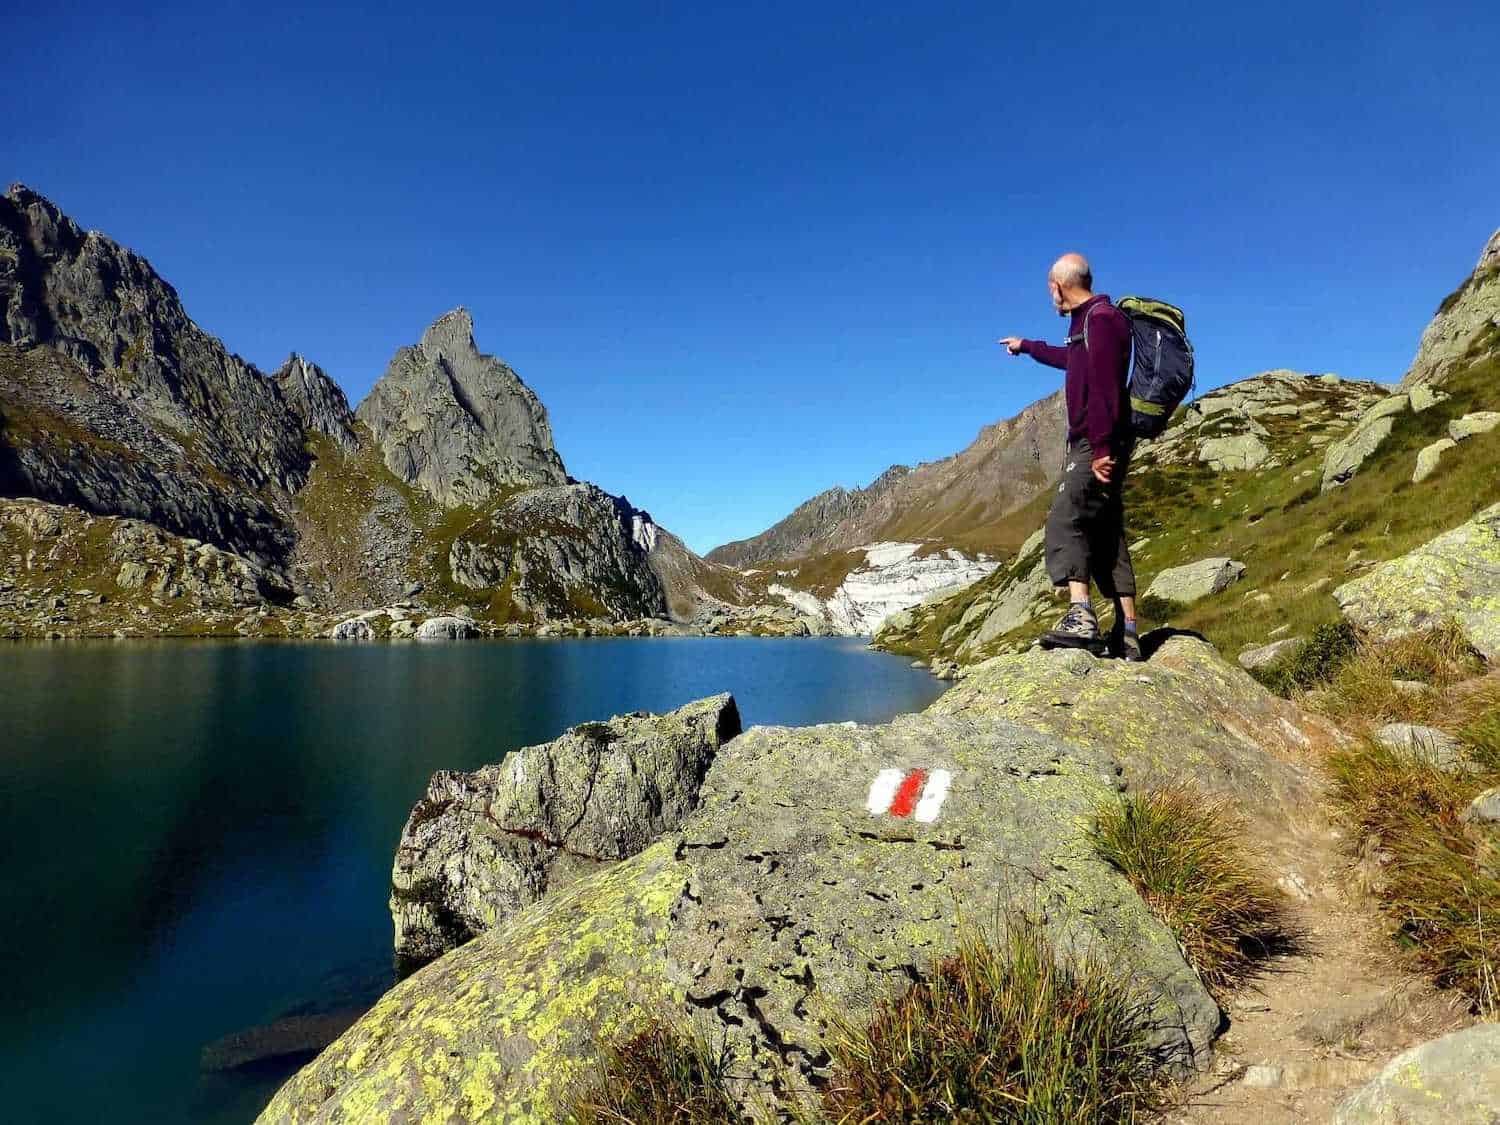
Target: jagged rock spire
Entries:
(457, 423)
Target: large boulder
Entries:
(1454, 1080)
(448, 627)
(1195, 580)
(1185, 713)
(1345, 457)
(479, 846)
(1455, 576)
(804, 886)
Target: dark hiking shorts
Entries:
(1086, 525)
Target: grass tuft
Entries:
(1437, 879)
(1184, 854)
(1001, 1032)
(660, 1076)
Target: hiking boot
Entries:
(1125, 645)
(1079, 628)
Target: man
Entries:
(1085, 533)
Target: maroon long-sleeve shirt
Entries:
(1096, 376)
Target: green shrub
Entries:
(660, 1076)
(1328, 649)
(1001, 1032)
(1185, 855)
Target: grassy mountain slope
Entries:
(1296, 541)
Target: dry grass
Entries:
(1185, 855)
(1361, 689)
(1000, 1032)
(660, 1076)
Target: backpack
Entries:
(1163, 372)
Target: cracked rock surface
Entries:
(479, 846)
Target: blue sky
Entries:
(747, 252)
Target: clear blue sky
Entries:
(745, 252)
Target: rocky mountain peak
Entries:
(451, 333)
(317, 400)
(457, 423)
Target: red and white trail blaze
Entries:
(915, 793)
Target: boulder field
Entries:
(804, 871)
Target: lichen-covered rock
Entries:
(1454, 1080)
(458, 424)
(501, 1028)
(448, 627)
(1184, 714)
(1344, 457)
(1429, 457)
(793, 893)
(1453, 577)
(1196, 580)
(1480, 422)
(479, 846)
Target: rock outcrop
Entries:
(1454, 577)
(458, 424)
(125, 574)
(1185, 713)
(480, 846)
(1345, 457)
(784, 899)
(1467, 317)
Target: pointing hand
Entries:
(1011, 344)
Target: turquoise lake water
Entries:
(198, 836)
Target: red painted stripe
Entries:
(906, 796)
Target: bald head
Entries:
(1071, 271)
(1071, 282)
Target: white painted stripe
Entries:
(883, 790)
(934, 793)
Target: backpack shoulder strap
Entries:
(1084, 335)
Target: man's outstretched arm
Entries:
(1041, 352)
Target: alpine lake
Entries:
(199, 835)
